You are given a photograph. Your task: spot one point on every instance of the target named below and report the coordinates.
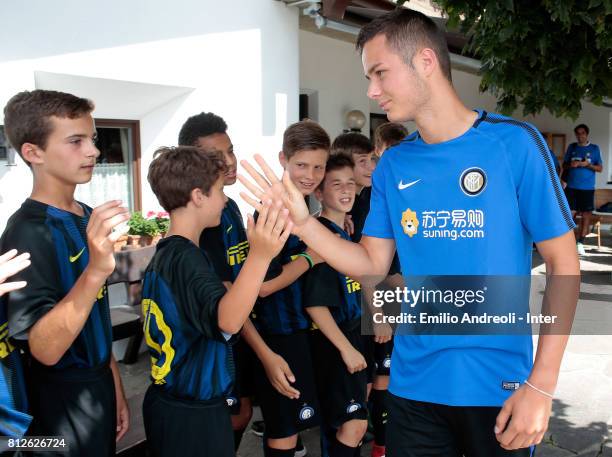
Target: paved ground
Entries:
(581, 424)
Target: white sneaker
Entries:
(580, 248)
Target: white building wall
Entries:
(158, 62)
(333, 68)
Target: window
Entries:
(117, 172)
(4, 144)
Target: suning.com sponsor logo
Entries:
(450, 224)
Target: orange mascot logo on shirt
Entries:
(410, 222)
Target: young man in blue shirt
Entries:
(582, 160)
(465, 195)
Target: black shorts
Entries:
(187, 428)
(420, 429)
(283, 416)
(580, 200)
(342, 395)
(368, 354)
(382, 357)
(244, 360)
(77, 404)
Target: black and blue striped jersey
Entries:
(57, 242)
(14, 420)
(324, 286)
(282, 313)
(226, 245)
(190, 357)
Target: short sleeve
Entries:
(543, 208)
(596, 157)
(378, 222)
(43, 290)
(211, 241)
(320, 287)
(204, 291)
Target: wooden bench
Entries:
(602, 196)
(126, 318)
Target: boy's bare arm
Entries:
(52, 335)
(266, 238)
(123, 411)
(371, 257)
(352, 357)
(291, 272)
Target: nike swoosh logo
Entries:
(74, 258)
(402, 186)
(229, 228)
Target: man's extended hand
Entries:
(267, 186)
(10, 265)
(528, 412)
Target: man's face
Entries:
(71, 153)
(582, 136)
(364, 166)
(338, 192)
(394, 85)
(221, 142)
(306, 168)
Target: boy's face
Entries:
(364, 166)
(221, 142)
(397, 87)
(338, 191)
(214, 203)
(306, 168)
(70, 154)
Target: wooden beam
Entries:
(334, 9)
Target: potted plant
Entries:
(142, 230)
(162, 220)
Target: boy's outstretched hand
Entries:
(269, 234)
(267, 186)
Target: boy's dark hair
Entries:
(304, 135)
(176, 171)
(582, 126)
(337, 162)
(351, 143)
(406, 32)
(200, 125)
(389, 134)
(27, 115)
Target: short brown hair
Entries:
(337, 162)
(351, 143)
(27, 115)
(176, 171)
(389, 134)
(407, 31)
(304, 135)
